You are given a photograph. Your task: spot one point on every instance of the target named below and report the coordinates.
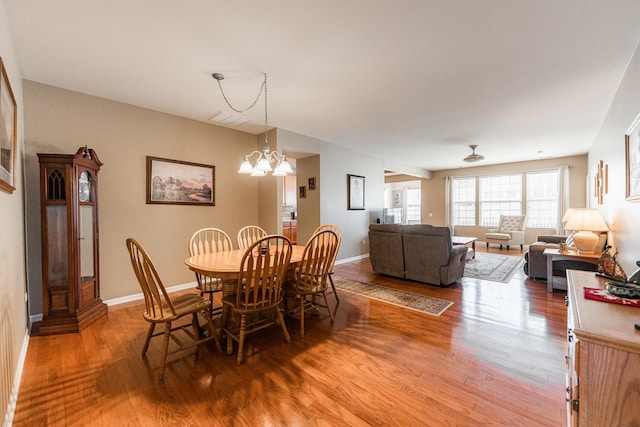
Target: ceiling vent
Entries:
(229, 119)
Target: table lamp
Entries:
(588, 223)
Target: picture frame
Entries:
(396, 199)
(632, 161)
(8, 132)
(355, 186)
(312, 184)
(302, 192)
(175, 182)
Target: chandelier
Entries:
(265, 157)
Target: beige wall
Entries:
(609, 146)
(335, 163)
(60, 121)
(433, 190)
(309, 207)
(13, 308)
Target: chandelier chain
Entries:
(239, 110)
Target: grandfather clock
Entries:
(70, 263)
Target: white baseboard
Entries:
(17, 378)
(136, 297)
(355, 258)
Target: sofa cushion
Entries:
(497, 236)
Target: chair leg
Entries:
(165, 349)
(507, 247)
(243, 326)
(326, 302)
(212, 330)
(145, 347)
(487, 245)
(333, 286)
(287, 337)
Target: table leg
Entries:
(549, 273)
(473, 247)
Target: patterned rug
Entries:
(493, 267)
(422, 303)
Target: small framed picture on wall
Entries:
(355, 186)
(312, 184)
(302, 192)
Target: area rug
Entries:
(422, 303)
(493, 267)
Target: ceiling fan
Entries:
(473, 157)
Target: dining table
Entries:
(226, 265)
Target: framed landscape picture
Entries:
(632, 157)
(174, 182)
(8, 132)
(355, 185)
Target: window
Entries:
(413, 205)
(542, 199)
(463, 194)
(499, 195)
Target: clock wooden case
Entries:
(70, 262)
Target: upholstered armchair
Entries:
(510, 231)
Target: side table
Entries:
(556, 255)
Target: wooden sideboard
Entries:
(603, 361)
(290, 230)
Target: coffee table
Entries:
(461, 240)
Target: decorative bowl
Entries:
(624, 290)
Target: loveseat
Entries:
(419, 252)
(535, 263)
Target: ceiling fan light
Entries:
(473, 157)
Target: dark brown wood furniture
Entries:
(555, 255)
(603, 358)
(290, 231)
(70, 262)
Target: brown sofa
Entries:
(419, 252)
(535, 262)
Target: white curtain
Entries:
(563, 195)
(448, 203)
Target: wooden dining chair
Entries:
(312, 274)
(160, 307)
(249, 234)
(259, 293)
(336, 230)
(205, 241)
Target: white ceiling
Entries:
(416, 81)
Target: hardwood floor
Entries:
(495, 357)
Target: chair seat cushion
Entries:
(498, 236)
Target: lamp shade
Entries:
(585, 220)
(567, 214)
